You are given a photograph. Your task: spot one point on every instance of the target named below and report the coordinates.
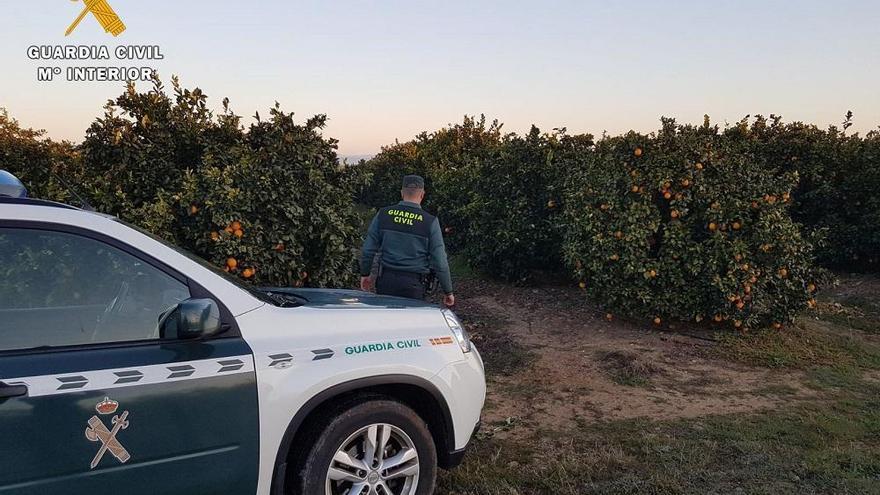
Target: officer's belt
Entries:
(384, 269)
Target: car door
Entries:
(92, 400)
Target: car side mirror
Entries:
(190, 319)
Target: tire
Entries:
(343, 442)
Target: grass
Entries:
(807, 344)
(813, 448)
(856, 312)
(628, 368)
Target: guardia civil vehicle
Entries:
(128, 366)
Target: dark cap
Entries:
(413, 182)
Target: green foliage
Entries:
(683, 225)
(37, 161)
(839, 179)
(510, 226)
(281, 207)
(169, 165)
(497, 195)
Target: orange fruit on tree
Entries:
(279, 247)
(673, 213)
(740, 305)
(811, 303)
(811, 287)
(247, 273)
(231, 263)
(609, 316)
(783, 272)
(657, 320)
(737, 257)
(685, 183)
(737, 323)
(777, 325)
(614, 257)
(228, 230)
(637, 152)
(215, 236)
(603, 206)
(618, 234)
(755, 205)
(634, 189)
(747, 289)
(699, 166)
(551, 204)
(736, 225)
(238, 233)
(193, 209)
(667, 195)
(718, 318)
(582, 285)
(712, 227)
(236, 225)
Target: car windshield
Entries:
(274, 298)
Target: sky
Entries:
(387, 70)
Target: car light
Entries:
(461, 335)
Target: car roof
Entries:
(35, 202)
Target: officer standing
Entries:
(410, 244)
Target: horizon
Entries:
(386, 73)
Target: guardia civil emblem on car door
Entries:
(99, 432)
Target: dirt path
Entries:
(579, 362)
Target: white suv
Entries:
(128, 365)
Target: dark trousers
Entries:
(400, 284)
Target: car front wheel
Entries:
(378, 447)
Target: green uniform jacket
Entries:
(408, 239)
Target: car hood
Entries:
(355, 299)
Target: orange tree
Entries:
(836, 194)
(509, 225)
(682, 225)
(276, 210)
(448, 159)
(37, 161)
(270, 203)
(498, 195)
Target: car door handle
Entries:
(7, 391)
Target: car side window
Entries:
(61, 289)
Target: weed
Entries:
(628, 368)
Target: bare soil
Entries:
(584, 368)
